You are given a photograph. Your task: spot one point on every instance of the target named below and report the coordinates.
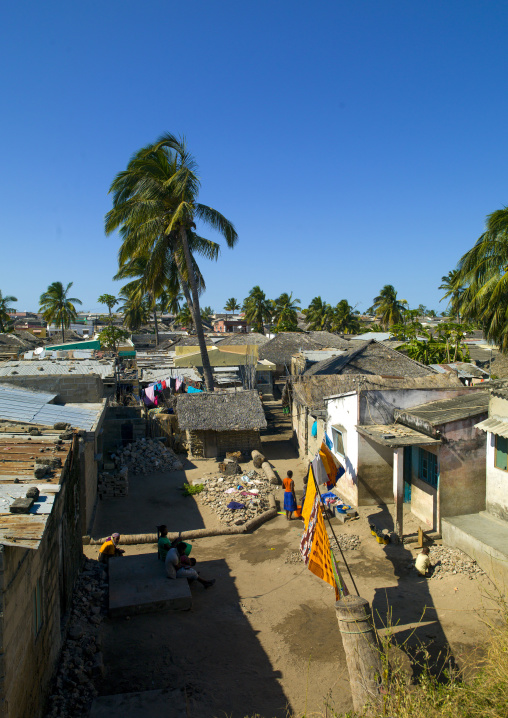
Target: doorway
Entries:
(408, 454)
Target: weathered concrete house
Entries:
(483, 534)
(40, 555)
(219, 422)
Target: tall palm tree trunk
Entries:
(63, 333)
(207, 369)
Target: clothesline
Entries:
(152, 394)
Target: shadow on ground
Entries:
(211, 651)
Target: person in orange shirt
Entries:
(289, 496)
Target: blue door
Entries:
(408, 454)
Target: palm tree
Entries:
(319, 315)
(232, 305)
(285, 310)
(5, 319)
(483, 273)
(154, 203)
(387, 307)
(344, 319)
(109, 300)
(454, 290)
(186, 318)
(57, 307)
(258, 309)
(206, 314)
(135, 309)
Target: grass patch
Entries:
(192, 489)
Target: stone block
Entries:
(21, 506)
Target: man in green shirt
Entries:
(163, 544)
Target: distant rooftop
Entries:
(44, 367)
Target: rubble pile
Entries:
(450, 561)
(112, 486)
(347, 543)
(251, 489)
(81, 660)
(144, 456)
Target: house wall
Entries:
(344, 412)
(374, 473)
(211, 444)
(122, 424)
(28, 660)
(462, 458)
(424, 497)
(75, 388)
(496, 490)
(300, 429)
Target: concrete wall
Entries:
(121, 425)
(375, 473)
(343, 411)
(462, 457)
(496, 490)
(28, 660)
(75, 388)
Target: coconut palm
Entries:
(454, 290)
(285, 310)
(135, 309)
(57, 307)
(319, 315)
(258, 309)
(387, 307)
(344, 320)
(5, 309)
(232, 305)
(155, 201)
(186, 318)
(109, 300)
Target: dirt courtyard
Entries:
(264, 640)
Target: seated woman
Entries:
(180, 566)
(110, 548)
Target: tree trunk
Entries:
(156, 326)
(63, 334)
(207, 369)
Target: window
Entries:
(501, 453)
(427, 467)
(338, 437)
(37, 608)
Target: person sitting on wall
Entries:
(422, 563)
(178, 565)
(110, 548)
(163, 544)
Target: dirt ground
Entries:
(264, 640)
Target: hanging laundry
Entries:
(191, 390)
(150, 393)
(319, 470)
(313, 431)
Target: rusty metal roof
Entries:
(18, 455)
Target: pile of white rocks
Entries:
(81, 661)
(347, 542)
(145, 456)
(250, 489)
(451, 561)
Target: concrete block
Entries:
(138, 584)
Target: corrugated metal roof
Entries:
(21, 405)
(45, 367)
(494, 424)
(395, 435)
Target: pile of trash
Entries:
(236, 499)
(450, 561)
(81, 661)
(145, 456)
(347, 542)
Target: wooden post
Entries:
(398, 489)
(362, 651)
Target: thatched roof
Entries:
(329, 340)
(69, 336)
(238, 411)
(371, 357)
(311, 390)
(243, 338)
(13, 341)
(281, 348)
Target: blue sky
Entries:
(353, 144)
